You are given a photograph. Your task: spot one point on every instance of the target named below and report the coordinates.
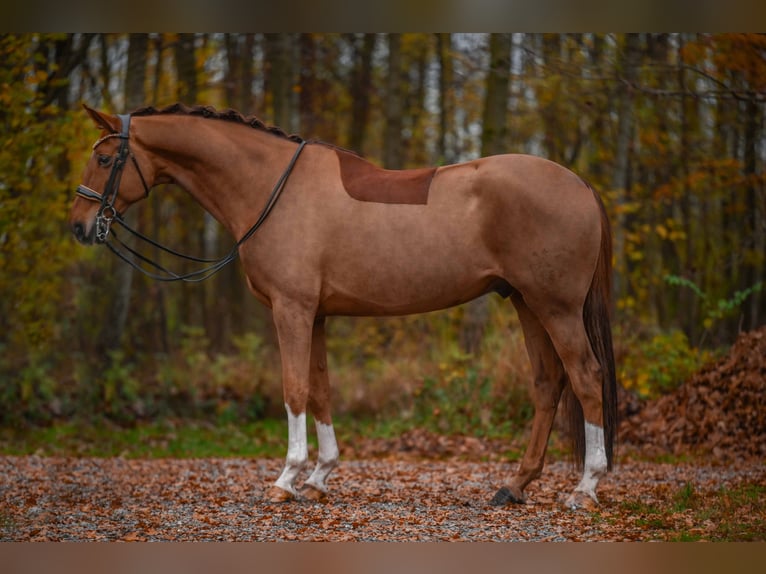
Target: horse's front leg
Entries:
(294, 326)
(319, 404)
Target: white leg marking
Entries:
(297, 451)
(595, 461)
(328, 456)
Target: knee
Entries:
(320, 408)
(546, 391)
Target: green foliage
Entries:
(224, 387)
(31, 391)
(120, 398)
(463, 401)
(412, 370)
(36, 253)
(658, 364)
(34, 197)
(713, 309)
(453, 404)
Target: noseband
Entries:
(107, 213)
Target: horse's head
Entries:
(111, 182)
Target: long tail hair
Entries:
(596, 313)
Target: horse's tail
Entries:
(596, 313)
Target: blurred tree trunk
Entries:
(156, 200)
(493, 141)
(724, 146)
(494, 133)
(280, 73)
(135, 77)
(755, 217)
(67, 53)
(186, 69)
(416, 57)
(310, 86)
(230, 310)
(666, 301)
(689, 203)
(316, 100)
(196, 235)
(393, 156)
(552, 104)
(239, 74)
(446, 145)
(627, 72)
(598, 134)
(360, 89)
(56, 58)
(121, 274)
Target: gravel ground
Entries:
(107, 499)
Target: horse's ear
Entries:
(104, 121)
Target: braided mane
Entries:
(210, 112)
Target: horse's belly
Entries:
(407, 287)
(373, 304)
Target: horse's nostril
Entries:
(79, 231)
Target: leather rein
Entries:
(107, 215)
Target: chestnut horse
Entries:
(349, 238)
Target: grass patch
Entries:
(629, 453)
(7, 524)
(725, 515)
(168, 438)
(267, 438)
(685, 498)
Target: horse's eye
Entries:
(104, 160)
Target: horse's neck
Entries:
(228, 169)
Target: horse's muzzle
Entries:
(81, 233)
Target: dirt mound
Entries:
(720, 411)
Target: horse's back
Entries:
(514, 177)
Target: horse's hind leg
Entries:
(319, 404)
(568, 334)
(549, 381)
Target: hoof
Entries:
(581, 501)
(507, 495)
(312, 493)
(276, 494)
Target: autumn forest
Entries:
(668, 127)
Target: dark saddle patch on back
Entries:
(366, 182)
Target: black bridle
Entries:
(108, 214)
